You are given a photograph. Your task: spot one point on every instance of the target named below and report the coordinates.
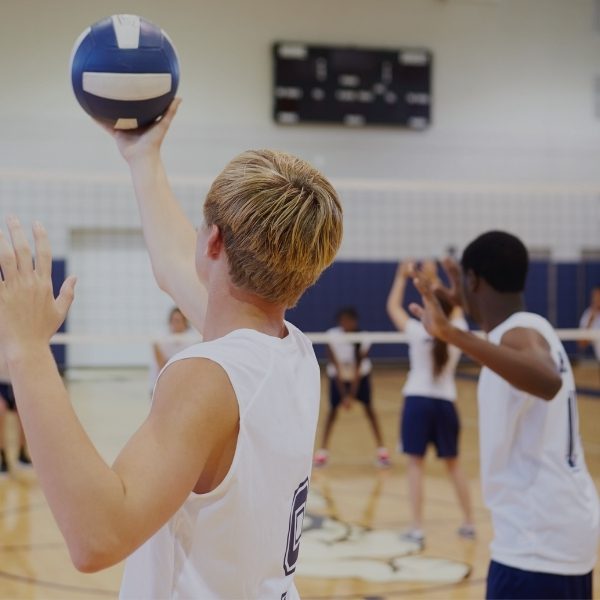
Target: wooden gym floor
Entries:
(359, 499)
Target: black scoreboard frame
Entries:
(352, 85)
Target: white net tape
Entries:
(370, 337)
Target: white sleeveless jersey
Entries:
(543, 501)
(241, 540)
(345, 354)
(421, 381)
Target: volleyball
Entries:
(124, 71)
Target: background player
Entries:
(7, 403)
(535, 481)
(167, 347)
(590, 319)
(429, 415)
(349, 372)
(175, 498)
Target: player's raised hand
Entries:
(136, 143)
(405, 269)
(452, 293)
(29, 313)
(430, 313)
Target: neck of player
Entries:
(496, 307)
(229, 309)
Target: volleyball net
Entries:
(95, 232)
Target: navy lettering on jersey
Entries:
(295, 527)
(573, 431)
(562, 363)
(572, 416)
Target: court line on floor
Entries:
(24, 508)
(29, 547)
(397, 593)
(57, 586)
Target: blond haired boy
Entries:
(207, 497)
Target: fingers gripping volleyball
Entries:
(29, 313)
(136, 143)
(124, 71)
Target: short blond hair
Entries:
(281, 222)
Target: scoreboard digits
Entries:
(351, 86)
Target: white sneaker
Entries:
(467, 532)
(417, 536)
(383, 458)
(321, 457)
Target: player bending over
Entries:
(349, 372)
(207, 497)
(535, 482)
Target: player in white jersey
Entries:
(590, 319)
(7, 403)
(349, 372)
(535, 482)
(208, 495)
(179, 337)
(429, 414)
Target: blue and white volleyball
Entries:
(124, 71)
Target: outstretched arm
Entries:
(170, 236)
(396, 296)
(159, 357)
(586, 323)
(105, 512)
(522, 358)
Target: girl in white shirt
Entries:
(429, 414)
(180, 337)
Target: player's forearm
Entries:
(522, 370)
(83, 492)
(168, 233)
(396, 295)
(395, 299)
(161, 361)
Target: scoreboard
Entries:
(351, 86)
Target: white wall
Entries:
(513, 105)
(513, 86)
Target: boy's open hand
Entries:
(29, 313)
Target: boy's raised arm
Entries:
(170, 236)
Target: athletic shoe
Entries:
(383, 457)
(321, 458)
(467, 532)
(24, 459)
(3, 465)
(416, 536)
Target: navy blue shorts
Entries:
(507, 582)
(8, 394)
(363, 394)
(429, 420)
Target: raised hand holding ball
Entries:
(124, 71)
